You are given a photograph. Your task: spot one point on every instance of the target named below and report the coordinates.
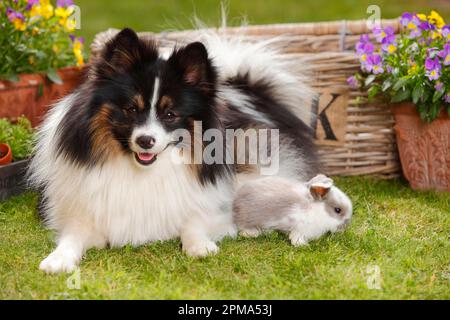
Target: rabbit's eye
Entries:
(337, 210)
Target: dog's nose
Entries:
(145, 142)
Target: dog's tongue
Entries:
(144, 156)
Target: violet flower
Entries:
(433, 68)
(353, 82)
(64, 3)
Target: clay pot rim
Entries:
(7, 158)
(409, 107)
(40, 75)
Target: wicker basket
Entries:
(367, 143)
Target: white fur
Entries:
(306, 220)
(261, 61)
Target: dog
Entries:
(104, 155)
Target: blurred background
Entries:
(157, 15)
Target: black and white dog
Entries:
(104, 157)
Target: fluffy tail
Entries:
(261, 62)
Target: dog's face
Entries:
(140, 100)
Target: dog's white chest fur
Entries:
(131, 205)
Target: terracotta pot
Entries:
(32, 95)
(424, 148)
(72, 77)
(21, 98)
(5, 154)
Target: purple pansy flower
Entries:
(447, 97)
(31, 3)
(446, 32)
(426, 25)
(64, 3)
(439, 86)
(433, 68)
(374, 64)
(12, 15)
(353, 82)
(364, 48)
(406, 18)
(386, 35)
(445, 54)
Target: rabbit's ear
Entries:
(319, 186)
(319, 192)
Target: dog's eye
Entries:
(169, 116)
(132, 110)
(337, 210)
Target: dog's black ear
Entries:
(194, 65)
(124, 51)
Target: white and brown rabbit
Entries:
(304, 210)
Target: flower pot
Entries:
(13, 179)
(32, 95)
(72, 77)
(22, 97)
(424, 148)
(5, 154)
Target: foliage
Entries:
(412, 66)
(18, 136)
(36, 37)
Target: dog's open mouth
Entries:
(145, 158)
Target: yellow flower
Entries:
(35, 31)
(78, 52)
(55, 48)
(63, 12)
(70, 25)
(31, 60)
(411, 26)
(422, 16)
(392, 48)
(19, 24)
(45, 9)
(35, 11)
(413, 69)
(436, 19)
(435, 35)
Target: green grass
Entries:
(153, 15)
(404, 233)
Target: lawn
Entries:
(153, 15)
(399, 234)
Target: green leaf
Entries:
(434, 110)
(401, 96)
(369, 80)
(400, 83)
(53, 76)
(417, 93)
(372, 92)
(12, 77)
(386, 85)
(437, 95)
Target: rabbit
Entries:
(304, 210)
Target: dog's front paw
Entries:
(201, 249)
(58, 262)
